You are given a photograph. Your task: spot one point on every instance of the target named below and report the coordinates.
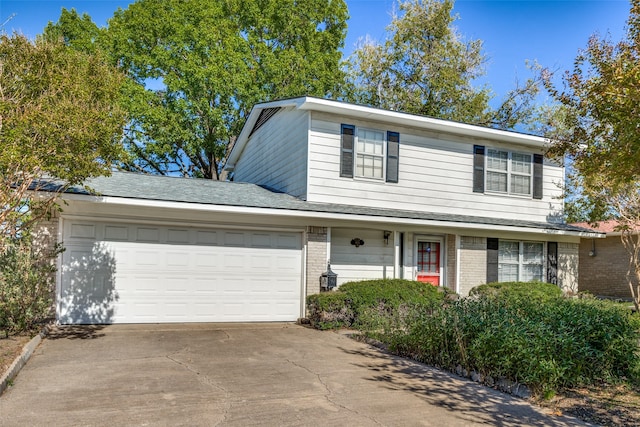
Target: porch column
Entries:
(317, 254)
(397, 261)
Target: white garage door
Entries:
(136, 273)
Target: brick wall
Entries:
(604, 274)
(45, 234)
(473, 263)
(451, 261)
(568, 262)
(45, 238)
(316, 257)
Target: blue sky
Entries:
(549, 31)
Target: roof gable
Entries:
(347, 110)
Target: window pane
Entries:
(533, 252)
(369, 166)
(370, 141)
(531, 272)
(497, 159)
(508, 251)
(496, 181)
(508, 272)
(377, 167)
(513, 267)
(520, 184)
(369, 158)
(521, 163)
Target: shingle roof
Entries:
(611, 227)
(208, 192)
(601, 226)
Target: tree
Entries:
(197, 68)
(599, 130)
(59, 118)
(60, 123)
(425, 67)
(76, 31)
(626, 203)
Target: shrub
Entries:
(549, 345)
(523, 332)
(26, 285)
(513, 291)
(370, 304)
(330, 310)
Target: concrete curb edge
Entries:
(21, 360)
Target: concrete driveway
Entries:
(242, 375)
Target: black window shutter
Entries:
(393, 155)
(537, 176)
(552, 262)
(478, 168)
(492, 260)
(346, 150)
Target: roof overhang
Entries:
(325, 216)
(376, 114)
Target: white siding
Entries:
(276, 154)
(435, 175)
(373, 260)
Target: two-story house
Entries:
(379, 194)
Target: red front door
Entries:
(428, 262)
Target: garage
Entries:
(119, 272)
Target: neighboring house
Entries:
(603, 262)
(380, 194)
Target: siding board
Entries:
(373, 260)
(435, 175)
(276, 154)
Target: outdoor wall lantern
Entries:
(386, 235)
(328, 279)
(357, 242)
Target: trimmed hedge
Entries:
(527, 335)
(330, 310)
(368, 303)
(513, 291)
(523, 332)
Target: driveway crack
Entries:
(329, 393)
(204, 379)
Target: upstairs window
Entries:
(370, 154)
(501, 171)
(366, 153)
(509, 172)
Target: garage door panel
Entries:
(261, 240)
(234, 239)
(206, 238)
(176, 286)
(131, 273)
(178, 260)
(203, 286)
(175, 236)
(83, 231)
(147, 234)
(288, 241)
(116, 232)
(148, 258)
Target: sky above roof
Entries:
(548, 31)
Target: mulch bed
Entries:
(10, 348)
